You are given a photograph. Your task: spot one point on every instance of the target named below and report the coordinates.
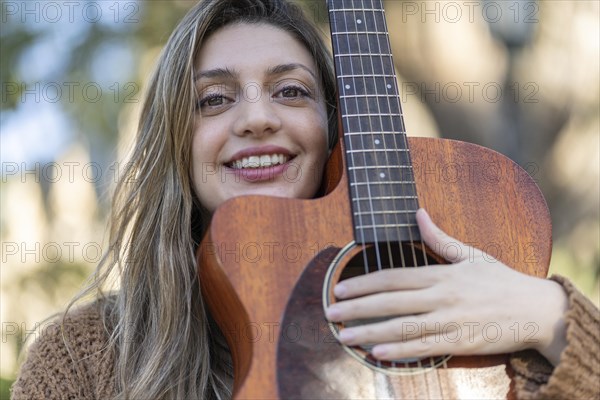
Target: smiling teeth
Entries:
(259, 161)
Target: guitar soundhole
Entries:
(354, 261)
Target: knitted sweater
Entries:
(49, 372)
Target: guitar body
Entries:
(264, 280)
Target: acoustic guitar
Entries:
(267, 281)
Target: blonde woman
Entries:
(153, 338)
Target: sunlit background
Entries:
(521, 77)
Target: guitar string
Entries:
(369, 132)
(361, 133)
(388, 169)
(404, 139)
(377, 5)
(384, 138)
(370, 52)
(356, 206)
(354, 161)
(402, 133)
(357, 39)
(379, 8)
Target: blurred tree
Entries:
(88, 66)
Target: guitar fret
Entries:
(374, 133)
(379, 167)
(387, 166)
(359, 33)
(375, 150)
(354, 9)
(382, 183)
(371, 115)
(384, 198)
(368, 76)
(384, 226)
(358, 96)
(357, 213)
(363, 55)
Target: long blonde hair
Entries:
(165, 342)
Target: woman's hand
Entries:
(474, 306)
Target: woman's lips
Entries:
(261, 174)
(259, 164)
(259, 151)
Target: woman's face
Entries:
(261, 120)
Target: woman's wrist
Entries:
(553, 328)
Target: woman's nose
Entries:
(257, 114)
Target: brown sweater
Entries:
(49, 372)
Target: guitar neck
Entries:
(382, 187)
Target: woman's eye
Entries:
(292, 92)
(212, 101)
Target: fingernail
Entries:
(380, 351)
(340, 290)
(347, 335)
(333, 313)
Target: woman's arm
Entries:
(83, 369)
(577, 374)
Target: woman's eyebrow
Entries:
(229, 74)
(224, 73)
(283, 68)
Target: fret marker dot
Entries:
(377, 141)
(389, 86)
(382, 175)
(359, 21)
(347, 86)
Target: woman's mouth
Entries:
(259, 161)
(259, 167)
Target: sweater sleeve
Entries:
(577, 376)
(81, 370)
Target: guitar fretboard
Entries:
(382, 188)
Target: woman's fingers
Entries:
(389, 280)
(399, 330)
(451, 249)
(422, 347)
(428, 335)
(384, 304)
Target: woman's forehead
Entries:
(243, 44)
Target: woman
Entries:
(242, 88)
